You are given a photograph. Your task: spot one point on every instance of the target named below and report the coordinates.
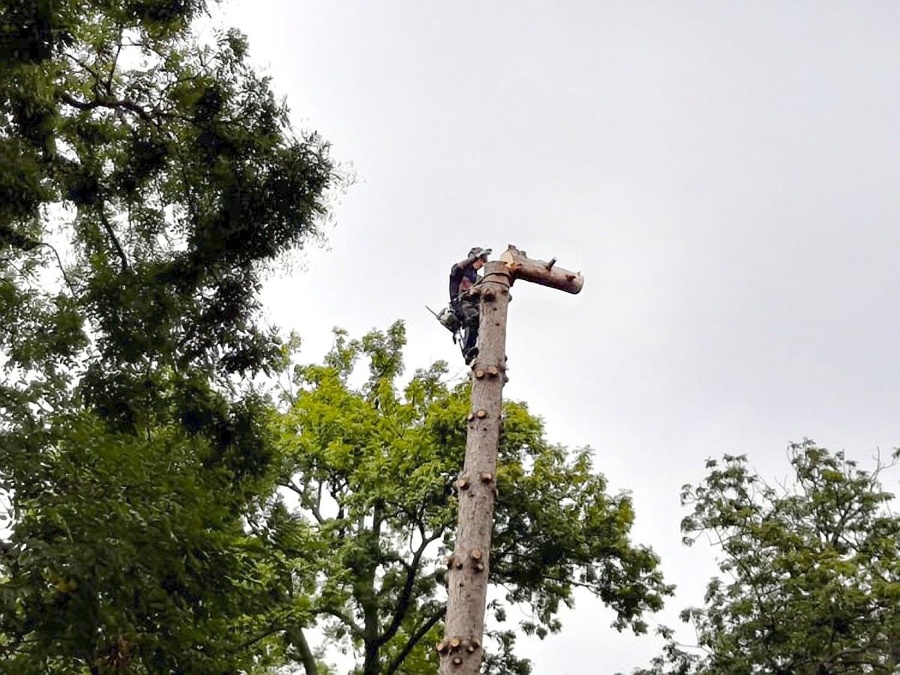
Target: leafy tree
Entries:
(368, 471)
(147, 182)
(173, 176)
(124, 558)
(811, 571)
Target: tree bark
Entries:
(371, 664)
(368, 600)
(540, 272)
(461, 649)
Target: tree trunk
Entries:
(371, 666)
(368, 598)
(461, 649)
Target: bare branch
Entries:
(406, 593)
(540, 272)
(110, 104)
(115, 60)
(344, 619)
(249, 643)
(414, 639)
(115, 241)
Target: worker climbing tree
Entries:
(461, 648)
(463, 302)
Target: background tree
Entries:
(370, 470)
(811, 571)
(173, 176)
(125, 558)
(146, 181)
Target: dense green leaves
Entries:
(171, 172)
(147, 180)
(811, 571)
(370, 512)
(124, 556)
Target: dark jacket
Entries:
(462, 270)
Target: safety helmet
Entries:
(478, 252)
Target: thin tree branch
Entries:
(62, 269)
(406, 593)
(414, 639)
(115, 60)
(87, 67)
(305, 502)
(110, 104)
(307, 658)
(344, 619)
(115, 241)
(252, 641)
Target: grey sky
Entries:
(725, 175)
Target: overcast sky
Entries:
(724, 174)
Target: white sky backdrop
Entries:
(725, 175)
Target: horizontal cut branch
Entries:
(541, 272)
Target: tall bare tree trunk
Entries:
(461, 649)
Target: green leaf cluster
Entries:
(147, 181)
(368, 512)
(125, 558)
(810, 570)
(156, 176)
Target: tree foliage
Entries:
(811, 571)
(147, 180)
(173, 177)
(125, 558)
(370, 511)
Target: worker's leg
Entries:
(470, 321)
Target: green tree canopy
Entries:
(147, 180)
(810, 571)
(125, 557)
(369, 512)
(167, 173)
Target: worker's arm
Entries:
(457, 274)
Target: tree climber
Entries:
(463, 276)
